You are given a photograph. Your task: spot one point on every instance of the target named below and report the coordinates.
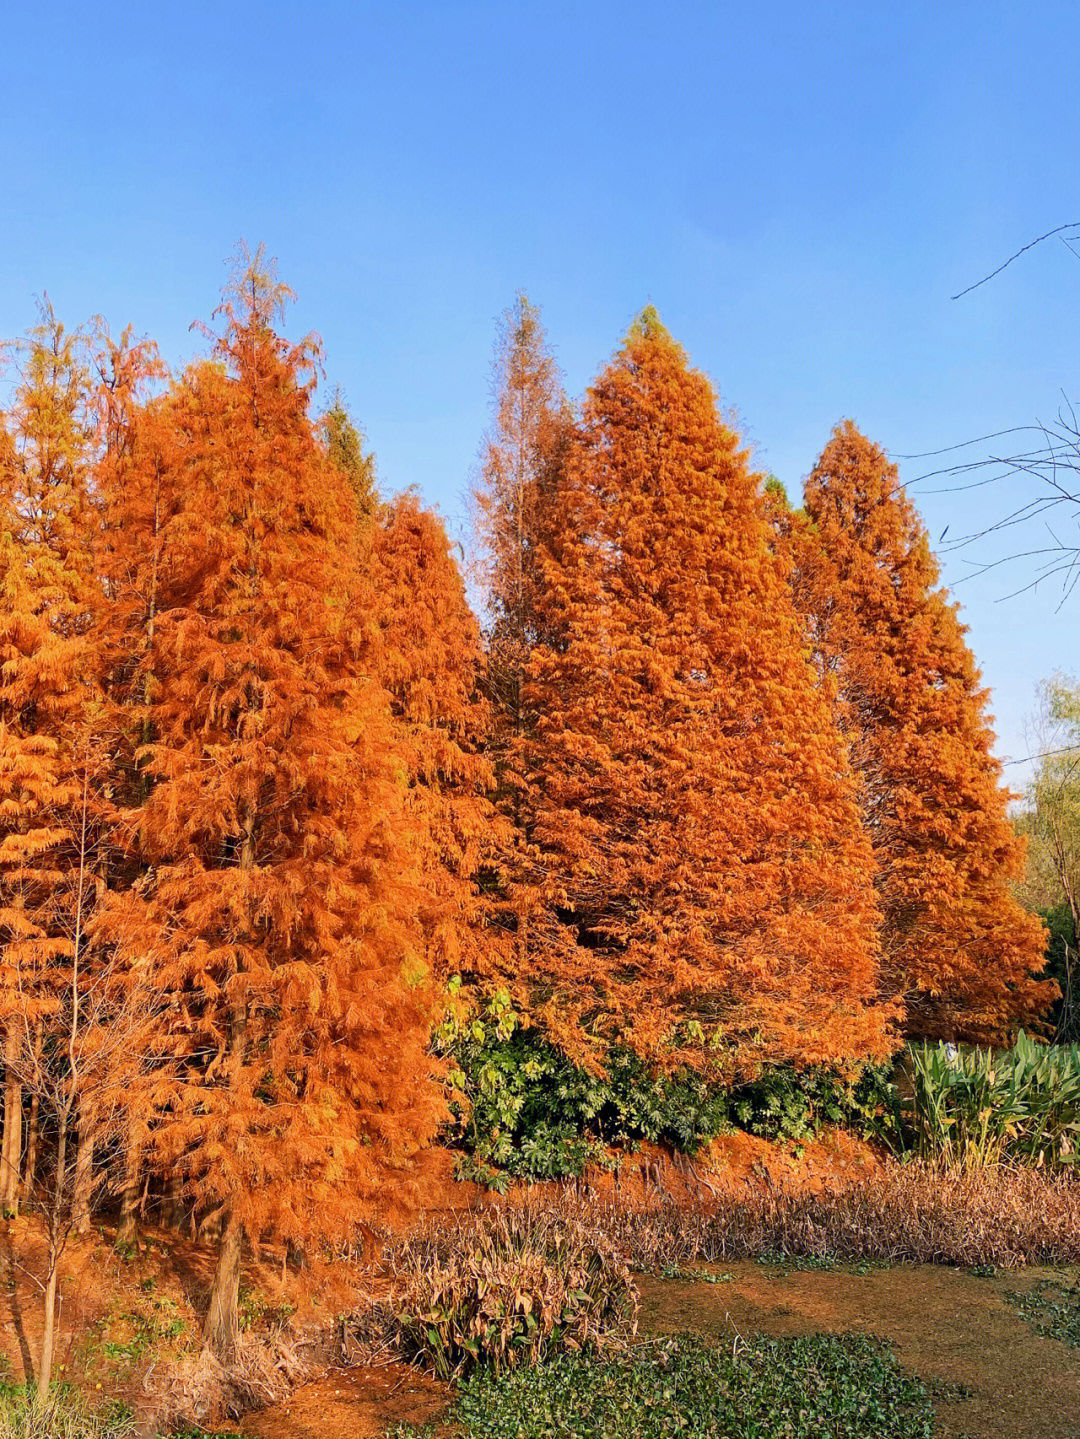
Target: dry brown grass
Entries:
(904, 1213)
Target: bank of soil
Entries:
(993, 1377)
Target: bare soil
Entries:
(949, 1327)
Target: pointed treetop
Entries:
(776, 491)
(253, 290)
(649, 326)
(345, 447)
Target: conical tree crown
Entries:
(707, 874)
(959, 947)
(280, 888)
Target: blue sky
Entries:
(799, 188)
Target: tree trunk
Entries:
(11, 1147)
(128, 1229)
(221, 1332)
(173, 1209)
(83, 1183)
(48, 1331)
(30, 1170)
(48, 1323)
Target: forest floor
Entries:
(992, 1376)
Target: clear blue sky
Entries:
(798, 187)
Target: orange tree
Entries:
(273, 887)
(430, 658)
(958, 947)
(708, 891)
(46, 695)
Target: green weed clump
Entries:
(846, 1386)
(512, 1287)
(972, 1108)
(1052, 1308)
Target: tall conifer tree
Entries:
(709, 886)
(519, 461)
(279, 898)
(958, 946)
(431, 661)
(46, 686)
(514, 500)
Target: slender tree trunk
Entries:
(48, 1326)
(30, 1171)
(173, 1208)
(83, 1183)
(11, 1146)
(221, 1331)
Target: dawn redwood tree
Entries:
(520, 457)
(132, 441)
(431, 661)
(279, 896)
(709, 890)
(957, 945)
(46, 686)
(514, 496)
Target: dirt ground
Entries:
(1004, 1381)
(945, 1325)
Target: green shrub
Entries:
(976, 1107)
(846, 1386)
(525, 1111)
(511, 1287)
(793, 1105)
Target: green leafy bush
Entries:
(974, 1107)
(511, 1287)
(524, 1110)
(792, 1105)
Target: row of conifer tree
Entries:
(712, 779)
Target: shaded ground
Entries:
(952, 1329)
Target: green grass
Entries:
(846, 1386)
(1052, 1308)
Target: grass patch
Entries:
(846, 1386)
(63, 1415)
(1052, 1308)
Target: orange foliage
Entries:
(258, 766)
(430, 660)
(958, 946)
(278, 897)
(46, 692)
(708, 888)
